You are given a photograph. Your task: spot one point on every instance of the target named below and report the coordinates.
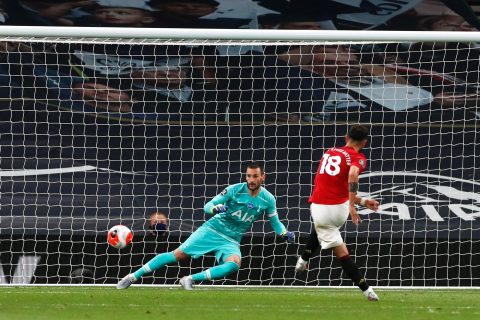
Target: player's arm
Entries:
(352, 193)
(277, 225)
(353, 178)
(217, 204)
(280, 228)
(371, 204)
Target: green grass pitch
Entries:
(234, 303)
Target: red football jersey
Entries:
(331, 180)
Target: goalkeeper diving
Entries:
(234, 209)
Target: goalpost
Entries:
(105, 126)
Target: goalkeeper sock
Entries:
(311, 246)
(216, 272)
(353, 272)
(154, 264)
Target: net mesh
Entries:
(99, 132)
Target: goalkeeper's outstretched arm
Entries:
(280, 228)
(217, 204)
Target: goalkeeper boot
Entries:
(301, 265)
(187, 283)
(371, 295)
(126, 281)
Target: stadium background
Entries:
(63, 220)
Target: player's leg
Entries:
(157, 262)
(328, 220)
(194, 246)
(160, 261)
(308, 251)
(231, 265)
(229, 257)
(321, 216)
(350, 268)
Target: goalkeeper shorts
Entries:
(205, 240)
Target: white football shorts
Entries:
(327, 220)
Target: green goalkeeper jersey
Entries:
(242, 211)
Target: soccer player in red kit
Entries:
(333, 198)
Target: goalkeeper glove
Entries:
(288, 236)
(218, 208)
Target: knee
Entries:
(235, 259)
(341, 251)
(180, 255)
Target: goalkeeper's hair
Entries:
(358, 132)
(254, 165)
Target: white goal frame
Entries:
(155, 35)
(239, 34)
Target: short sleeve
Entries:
(221, 198)
(359, 161)
(227, 193)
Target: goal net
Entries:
(97, 132)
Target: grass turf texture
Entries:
(235, 303)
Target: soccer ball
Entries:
(119, 236)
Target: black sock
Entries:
(311, 246)
(353, 272)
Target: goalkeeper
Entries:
(235, 209)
